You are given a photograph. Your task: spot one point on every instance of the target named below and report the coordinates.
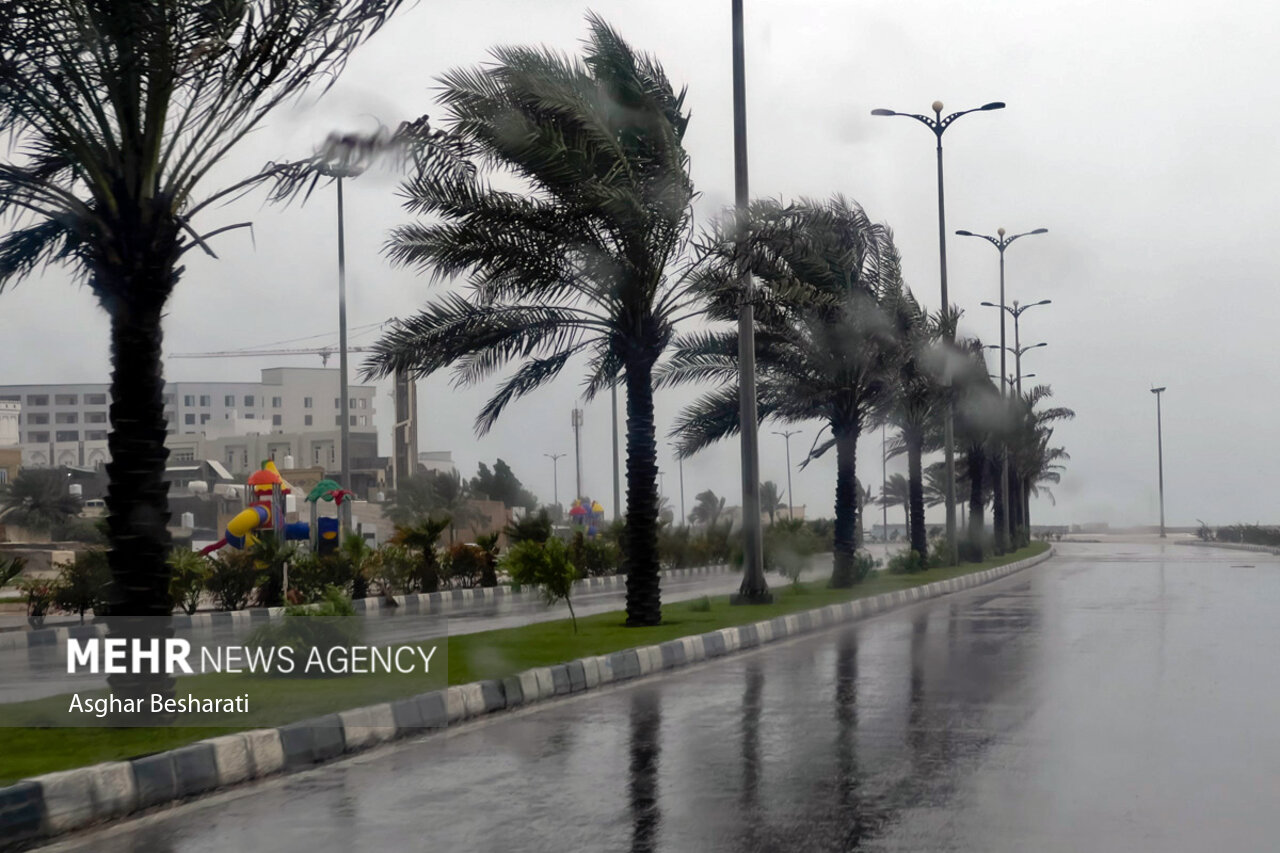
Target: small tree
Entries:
(81, 583)
(489, 545)
(546, 566)
(10, 568)
(190, 574)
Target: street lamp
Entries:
(555, 477)
(786, 434)
(1001, 242)
(680, 459)
(1160, 453)
(754, 589)
(1017, 311)
(939, 125)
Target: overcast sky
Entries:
(1143, 137)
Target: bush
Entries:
(701, 605)
(190, 574)
(78, 530)
(906, 563)
(489, 546)
(546, 566)
(40, 595)
(1250, 534)
(464, 565)
(311, 574)
(594, 557)
(271, 557)
(788, 545)
(393, 567)
(10, 568)
(331, 624)
(82, 583)
(863, 566)
(531, 528)
(233, 576)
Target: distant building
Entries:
(437, 460)
(10, 452)
(292, 411)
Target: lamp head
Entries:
(1157, 390)
(994, 105)
(883, 113)
(1041, 231)
(1000, 232)
(965, 234)
(1045, 302)
(937, 106)
(990, 305)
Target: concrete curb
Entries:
(73, 799)
(1233, 546)
(423, 602)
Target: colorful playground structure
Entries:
(588, 514)
(266, 508)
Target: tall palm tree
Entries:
(771, 501)
(1035, 463)
(821, 340)
(580, 262)
(38, 500)
(707, 508)
(116, 114)
(896, 491)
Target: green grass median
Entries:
(29, 751)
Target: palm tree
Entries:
(1034, 464)
(580, 263)
(864, 498)
(707, 508)
(771, 501)
(821, 345)
(897, 492)
(116, 114)
(38, 500)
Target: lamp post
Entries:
(1001, 242)
(754, 589)
(786, 434)
(884, 484)
(680, 460)
(1016, 312)
(939, 125)
(555, 476)
(1160, 453)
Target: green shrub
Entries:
(531, 528)
(788, 545)
(701, 605)
(464, 564)
(40, 599)
(546, 566)
(594, 557)
(863, 566)
(906, 563)
(190, 574)
(333, 623)
(82, 584)
(489, 547)
(10, 568)
(233, 576)
(393, 567)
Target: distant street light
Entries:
(555, 477)
(1016, 312)
(786, 434)
(1160, 453)
(680, 459)
(939, 125)
(1001, 242)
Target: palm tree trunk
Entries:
(640, 557)
(138, 495)
(977, 521)
(915, 484)
(842, 573)
(1015, 509)
(1025, 487)
(998, 510)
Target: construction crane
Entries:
(323, 352)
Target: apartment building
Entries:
(67, 424)
(10, 453)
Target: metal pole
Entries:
(948, 426)
(1004, 395)
(682, 515)
(1160, 453)
(754, 589)
(791, 503)
(344, 390)
(884, 482)
(617, 488)
(555, 476)
(577, 450)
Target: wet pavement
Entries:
(1117, 698)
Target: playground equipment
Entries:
(587, 513)
(265, 514)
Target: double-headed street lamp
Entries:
(939, 125)
(1016, 311)
(1001, 242)
(786, 434)
(1017, 361)
(1160, 453)
(555, 475)
(680, 459)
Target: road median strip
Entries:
(68, 800)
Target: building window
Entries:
(351, 404)
(68, 435)
(353, 420)
(38, 437)
(206, 400)
(337, 402)
(37, 399)
(229, 401)
(95, 417)
(364, 420)
(306, 402)
(38, 418)
(95, 435)
(95, 399)
(65, 399)
(306, 421)
(184, 455)
(277, 420)
(189, 420)
(204, 419)
(248, 400)
(10, 398)
(337, 420)
(188, 399)
(66, 418)
(275, 402)
(249, 416)
(364, 404)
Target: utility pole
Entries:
(1160, 453)
(555, 478)
(680, 460)
(577, 449)
(617, 481)
(786, 434)
(884, 482)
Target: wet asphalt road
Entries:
(1117, 698)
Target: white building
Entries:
(68, 424)
(10, 412)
